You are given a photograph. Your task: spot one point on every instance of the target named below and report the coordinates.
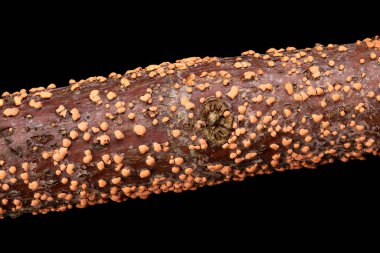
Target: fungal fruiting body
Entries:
(183, 125)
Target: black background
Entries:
(306, 205)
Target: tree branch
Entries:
(194, 123)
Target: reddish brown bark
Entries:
(190, 124)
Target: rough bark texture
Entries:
(197, 122)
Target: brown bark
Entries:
(198, 122)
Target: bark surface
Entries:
(196, 122)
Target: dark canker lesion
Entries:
(216, 125)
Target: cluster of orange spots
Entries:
(33, 103)
(111, 95)
(100, 165)
(218, 94)
(360, 127)
(165, 119)
(185, 101)
(266, 86)
(335, 97)
(271, 64)
(270, 101)
(249, 75)
(304, 132)
(106, 159)
(87, 156)
(119, 135)
(150, 161)
(59, 154)
(274, 146)
(289, 88)
(66, 143)
(75, 114)
(146, 98)
(157, 147)
(342, 49)
(315, 72)
(317, 117)
(357, 86)
(83, 126)
(287, 113)
(145, 173)
(371, 94)
(46, 94)
(86, 136)
(131, 116)
(143, 149)
(18, 99)
(202, 86)
(140, 130)
(70, 169)
(125, 82)
(300, 96)
(33, 185)
(118, 159)
(61, 111)
(95, 97)
(11, 112)
(46, 155)
(103, 139)
(74, 86)
(3, 174)
(360, 107)
(102, 183)
(103, 126)
(120, 107)
(176, 133)
(243, 64)
(286, 141)
(233, 92)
